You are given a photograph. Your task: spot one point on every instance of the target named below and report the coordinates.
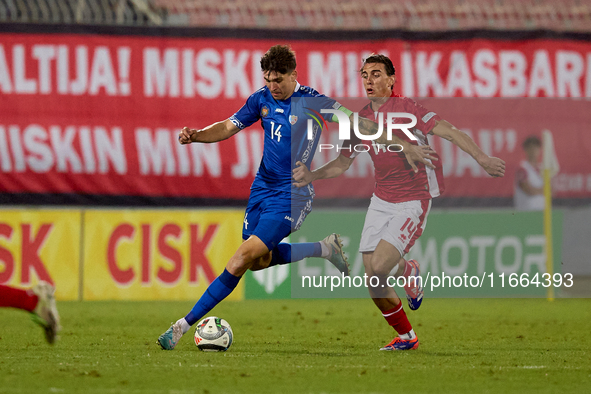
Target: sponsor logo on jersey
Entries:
(280, 110)
(288, 218)
(293, 119)
(264, 111)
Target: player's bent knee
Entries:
(261, 263)
(367, 263)
(381, 268)
(248, 255)
(369, 270)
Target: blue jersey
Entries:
(285, 124)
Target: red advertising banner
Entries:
(99, 114)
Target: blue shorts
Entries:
(272, 215)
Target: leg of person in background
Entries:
(39, 301)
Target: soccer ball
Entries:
(213, 335)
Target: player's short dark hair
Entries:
(280, 58)
(379, 58)
(532, 140)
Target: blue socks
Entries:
(303, 250)
(219, 289)
(285, 253)
(224, 284)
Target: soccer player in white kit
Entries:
(529, 182)
(399, 207)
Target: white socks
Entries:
(325, 250)
(409, 335)
(184, 325)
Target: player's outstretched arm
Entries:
(492, 165)
(213, 133)
(414, 153)
(303, 176)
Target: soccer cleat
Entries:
(414, 288)
(402, 344)
(45, 313)
(337, 257)
(171, 337)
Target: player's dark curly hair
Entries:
(379, 58)
(532, 140)
(280, 58)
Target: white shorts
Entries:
(399, 224)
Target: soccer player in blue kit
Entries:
(275, 206)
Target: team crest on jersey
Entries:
(293, 119)
(264, 111)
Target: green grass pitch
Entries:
(305, 346)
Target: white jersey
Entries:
(522, 200)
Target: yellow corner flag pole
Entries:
(548, 231)
(550, 167)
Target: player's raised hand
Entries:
(493, 166)
(186, 134)
(302, 175)
(419, 153)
